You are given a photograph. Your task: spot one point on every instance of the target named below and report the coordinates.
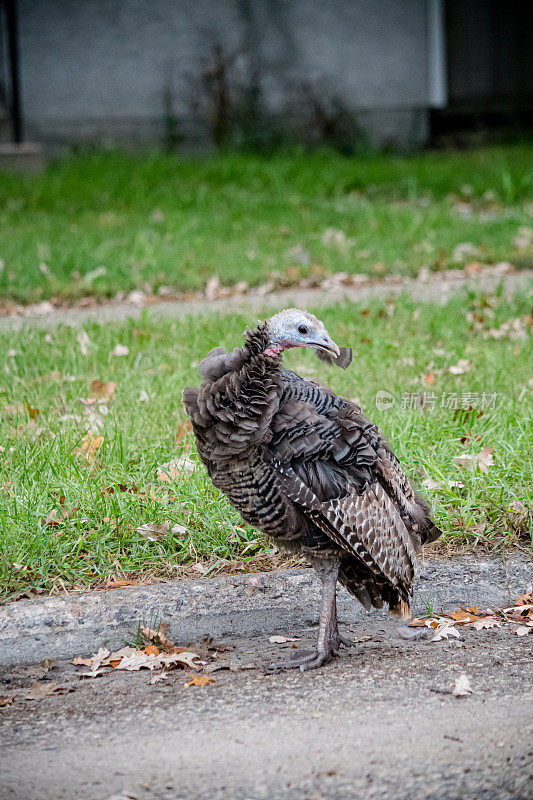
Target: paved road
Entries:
(437, 290)
(380, 722)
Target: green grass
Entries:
(394, 345)
(103, 223)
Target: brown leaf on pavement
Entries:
(200, 680)
(466, 614)
(82, 662)
(157, 636)
(486, 622)
(141, 660)
(6, 700)
(282, 639)
(119, 583)
(161, 676)
(40, 689)
(462, 687)
(443, 631)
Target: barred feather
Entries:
(309, 469)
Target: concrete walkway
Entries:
(436, 290)
(378, 723)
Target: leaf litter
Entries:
(282, 639)
(518, 618)
(462, 687)
(482, 461)
(159, 652)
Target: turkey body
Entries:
(309, 469)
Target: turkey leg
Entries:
(329, 638)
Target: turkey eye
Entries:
(302, 329)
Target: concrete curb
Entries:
(269, 602)
(435, 291)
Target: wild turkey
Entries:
(307, 468)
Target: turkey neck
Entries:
(257, 384)
(242, 403)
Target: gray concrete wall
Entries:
(99, 67)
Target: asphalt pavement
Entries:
(379, 722)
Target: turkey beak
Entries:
(328, 345)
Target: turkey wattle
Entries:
(307, 468)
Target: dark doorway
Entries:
(489, 47)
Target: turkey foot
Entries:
(329, 638)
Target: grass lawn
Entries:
(77, 483)
(103, 223)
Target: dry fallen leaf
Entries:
(41, 689)
(462, 687)
(51, 519)
(95, 411)
(82, 662)
(486, 622)
(83, 341)
(444, 631)
(153, 531)
(161, 676)
(151, 650)
(462, 366)
(100, 657)
(212, 287)
(183, 430)
(89, 446)
(200, 680)
(119, 350)
(483, 460)
(6, 700)
(524, 599)
(141, 660)
(119, 583)
(33, 413)
(173, 469)
(94, 673)
(103, 388)
(179, 529)
(186, 657)
(466, 614)
(282, 639)
(159, 638)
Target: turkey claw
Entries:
(304, 660)
(346, 642)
